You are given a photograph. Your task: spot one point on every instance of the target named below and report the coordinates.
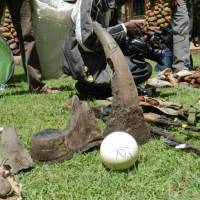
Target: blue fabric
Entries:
(167, 61)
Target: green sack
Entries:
(6, 62)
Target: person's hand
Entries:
(133, 28)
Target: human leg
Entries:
(181, 29)
(21, 13)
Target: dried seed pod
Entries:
(8, 32)
(16, 40)
(5, 24)
(7, 35)
(166, 24)
(12, 30)
(162, 25)
(152, 28)
(153, 23)
(7, 15)
(167, 9)
(11, 41)
(148, 12)
(7, 11)
(13, 46)
(15, 34)
(161, 6)
(168, 18)
(7, 20)
(156, 12)
(161, 21)
(166, 4)
(152, 19)
(151, 14)
(164, 13)
(159, 16)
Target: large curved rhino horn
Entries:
(126, 114)
(122, 80)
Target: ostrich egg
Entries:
(118, 151)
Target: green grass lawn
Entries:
(162, 172)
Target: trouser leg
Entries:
(181, 30)
(140, 70)
(32, 59)
(190, 6)
(21, 15)
(33, 69)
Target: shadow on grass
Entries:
(22, 92)
(132, 168)
(15, 93)
(17, 78)
(65, 88)
(160, 94)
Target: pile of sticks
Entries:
(158, 14)
(7, 30)
(191, 77)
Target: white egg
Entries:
(119, 151)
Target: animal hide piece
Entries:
(82, 134)
(11, 152)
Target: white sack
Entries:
(50, 20)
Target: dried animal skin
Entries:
(82, 134)
(5, 187)
(12, 153)
(9, 188)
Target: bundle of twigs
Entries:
(158, 14)
(7, 30)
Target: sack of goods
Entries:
(6, 62)
(158, 14)
(50, 20)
